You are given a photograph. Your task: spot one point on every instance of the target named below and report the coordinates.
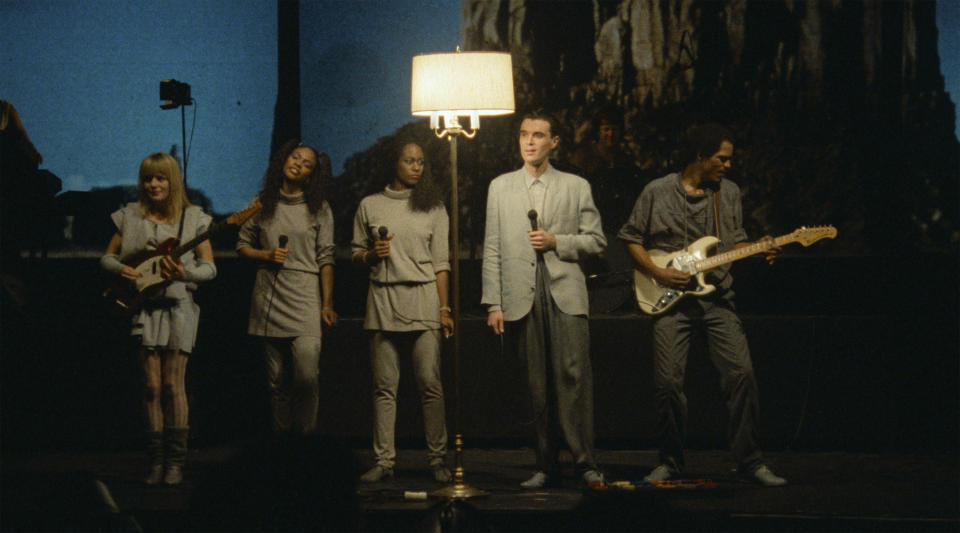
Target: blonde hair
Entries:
(160, 164)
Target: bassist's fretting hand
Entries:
(171, 268)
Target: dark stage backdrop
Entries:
(849, 354)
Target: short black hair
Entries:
(705, 140)
(539, 114)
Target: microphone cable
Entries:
(273, 286)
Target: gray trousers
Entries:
(424, 348)
(292, 381)
(557, 350)
(727, 345)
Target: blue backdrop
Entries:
(84, 75)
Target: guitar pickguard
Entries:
(150, 273)
(686, 262)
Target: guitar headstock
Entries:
(241, 216)
(807, 236)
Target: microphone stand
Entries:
(183, 141)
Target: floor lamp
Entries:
(448, 86)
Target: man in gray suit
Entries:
(540, 223)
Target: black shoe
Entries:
(155, 475)
(173, 475)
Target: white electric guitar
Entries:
(655, 298)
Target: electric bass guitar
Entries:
(655, 298)
(125, 297)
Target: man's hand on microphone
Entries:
(541, 240)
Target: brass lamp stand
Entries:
(451, 85)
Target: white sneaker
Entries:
(377, 473)
(764, 476)
(660, 473)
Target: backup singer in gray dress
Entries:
(292, 239)
(532, 276)
(167, 323)
(406, 302)
(671, 213)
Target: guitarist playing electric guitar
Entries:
(671, 213)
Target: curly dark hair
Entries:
(429, 191)
(312, 188)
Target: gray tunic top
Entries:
(403, 289)
(666, 218)
(169, 320)
(286, 299)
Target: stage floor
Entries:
(312, 487)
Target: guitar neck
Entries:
(192, 243)
(742, 252)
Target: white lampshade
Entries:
(462, 83)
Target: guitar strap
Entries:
(716, 213)
(183, 217)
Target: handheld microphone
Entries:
(382, 230)
(532, 215)
(282, 240)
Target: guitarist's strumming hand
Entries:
(171, 268)
(671, 277)
(129, 273)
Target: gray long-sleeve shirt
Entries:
(403, 293)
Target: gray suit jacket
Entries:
(509, 262)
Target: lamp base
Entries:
(458, 491)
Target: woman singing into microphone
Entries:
(401, 233)
(292, 238)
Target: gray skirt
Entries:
(168, 324)
(402, 307)
(285, 303)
